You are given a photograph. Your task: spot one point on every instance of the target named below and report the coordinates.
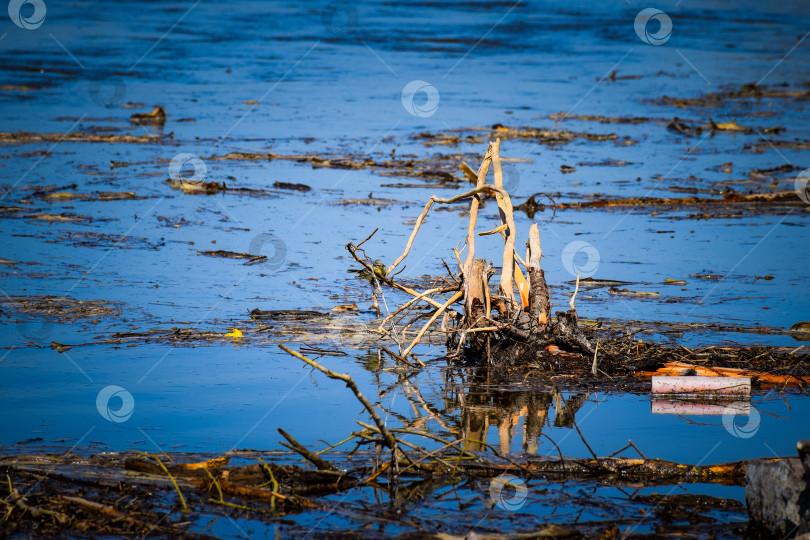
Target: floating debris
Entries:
(732, 199)
(293, 187)
(801, 331)
(615, 291)
(683, 369)
(22, 137)
(745, 91)
(609, 162)
(105, 240)
(62, 307)
(221, 253)
(95, 196)
(479, 135)
(286, 315)
(155, 118)
(201, 187)
(694, 129)
(601, 119)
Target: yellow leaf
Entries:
(61, 195)
(235, 332)
(730, 126)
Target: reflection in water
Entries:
(473, 407)
(481, 410)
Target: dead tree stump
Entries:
(503, 326)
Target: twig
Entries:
(411, 392)
(413, 446)
(331, 446)
(581, 436)
(432, 319)
(389, 334)
(309, 456)
(378, 473)
(574, 296)
(620, 450)
(272, 479)
(458, 459)
(402, 358)
(104, 509)
(214, 481)
(389, 439)
(636, 449)
(498, 454)
(562, 459)
(450, 272)
(500, 228)
(432, 453)
(468, 172)
(256, 493)
(384, 279)
(482, 329)
(162, 466)
(410, 302)
(368, 237)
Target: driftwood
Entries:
(501, 326)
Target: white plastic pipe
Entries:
(702, 386)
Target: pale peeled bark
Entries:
(505, 211)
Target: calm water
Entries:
(270, 77)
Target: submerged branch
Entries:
(389, 439)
